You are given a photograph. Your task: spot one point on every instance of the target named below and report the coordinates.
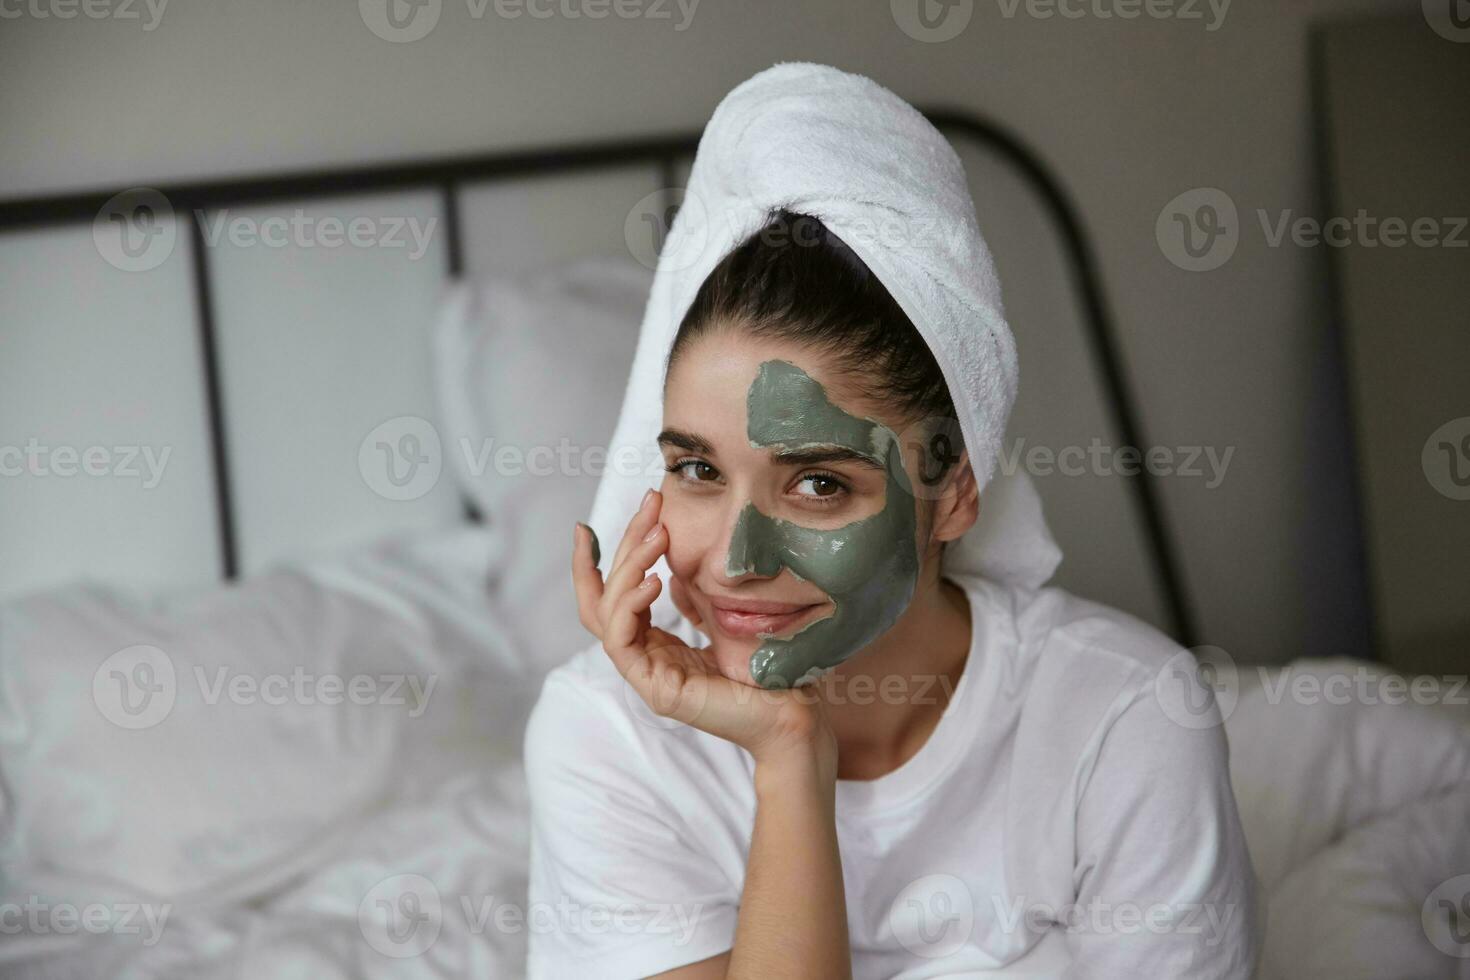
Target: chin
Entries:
(733, 656)
(732, 652)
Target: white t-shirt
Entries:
(1070, 815)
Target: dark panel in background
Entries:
(1397, 159)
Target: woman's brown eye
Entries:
(821, 486)
(695, 471)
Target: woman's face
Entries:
(791, 528)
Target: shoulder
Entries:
(1081, 666)
(1106, 639)
(1083, 646)
(1074, 643)
(1117, 745)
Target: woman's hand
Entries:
(679, 682)
(793, 908)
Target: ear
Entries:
(958, 506)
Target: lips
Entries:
(752, 617)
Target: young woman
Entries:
(971, 777)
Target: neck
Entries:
(884, 703)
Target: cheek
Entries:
(848, 561)
(689, 538)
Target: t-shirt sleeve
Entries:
(618, 885)
(1164, 883)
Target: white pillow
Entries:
(1383, 903)
(168, 749)
(530, 374)
(1354, 801)
(1318, 748)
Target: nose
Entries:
(753, 549)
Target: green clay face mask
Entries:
(868, 568)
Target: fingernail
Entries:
(647, 496)
(653, 532)
(647, 583)
(596, 550)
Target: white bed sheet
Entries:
(269, 834)
(288, 841)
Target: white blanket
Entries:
(238, 818)
(1354, 791)
(284, 841)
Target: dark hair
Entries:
(795, 280)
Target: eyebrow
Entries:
(811, 456)
(687, 441)
(805, 456)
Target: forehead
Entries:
(714, 379)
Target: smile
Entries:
(747, 619)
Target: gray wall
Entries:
(1130, 112)
(1407, 332)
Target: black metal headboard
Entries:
(448, 174)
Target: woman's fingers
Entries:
(676, 684)
(636, 563)
(586, 579)
(636, 553)
(626, 628)
(621, 631)
(680, 595)
(643, 519)
(645, 540)
(668, 684)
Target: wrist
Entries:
(808, 762)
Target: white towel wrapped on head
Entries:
(819, 141)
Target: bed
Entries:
(263, 674)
